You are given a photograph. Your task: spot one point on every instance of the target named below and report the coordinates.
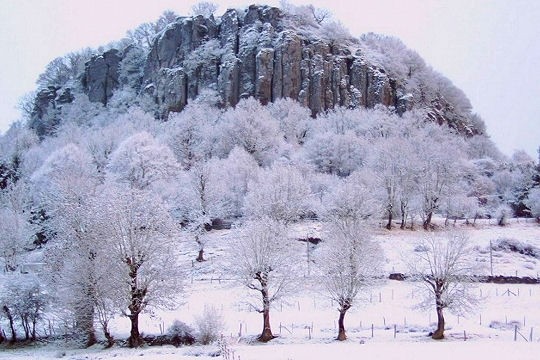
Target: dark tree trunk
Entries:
(26, 326)
(34, 323)
(439, 333)
(85, 324)
(341, 326)
(266, 334)
(136, 305)
(427, 222)
(200, 257)
(135, 339)
(11, 323)
(403, 208)
(389, 224)
(108, 336)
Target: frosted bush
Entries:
(209, 325)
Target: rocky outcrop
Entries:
(47, 104)
(253, 53)
(101, 76)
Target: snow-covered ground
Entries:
(383, 325)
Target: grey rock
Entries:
(47, 105)
(101, 76)
(264, 75)
(263, 58)
(170, 89)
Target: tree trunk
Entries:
(403, 209)
(427, 222)
(200, 257)
(135, 339)
(34, 323)
(266, 334)
(136, 304)
(389, 224)
(85, 323)
(341, 325)
(11, 324)
(108, 336)
(439, 333)
(26, 327)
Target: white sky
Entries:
(488, 48)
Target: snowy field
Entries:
(383, 325)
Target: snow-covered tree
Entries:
(204, 8)
(65, 187)
(190, 134)
(349, 263)
(443, 265)
(233, 175)
(393, 168)
(533, 202)
(354, 199)
(13, 146)
(280, 193)
(15, 234)
(250, 125)
(261, 259)
(440, 168)
(24, 299)
(143, 35)
(141, 160)
(294, 119)
(139, 235)
(202, 202)
(339, 154)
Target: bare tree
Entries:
(349, 264)
(204, 8)
(143, 35)
(262, 262)
(442, 264)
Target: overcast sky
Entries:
(488, 48)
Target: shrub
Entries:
(209, 325)
(517, 246)
(180, 334)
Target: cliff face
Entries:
(100, 77)
(255, 54)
